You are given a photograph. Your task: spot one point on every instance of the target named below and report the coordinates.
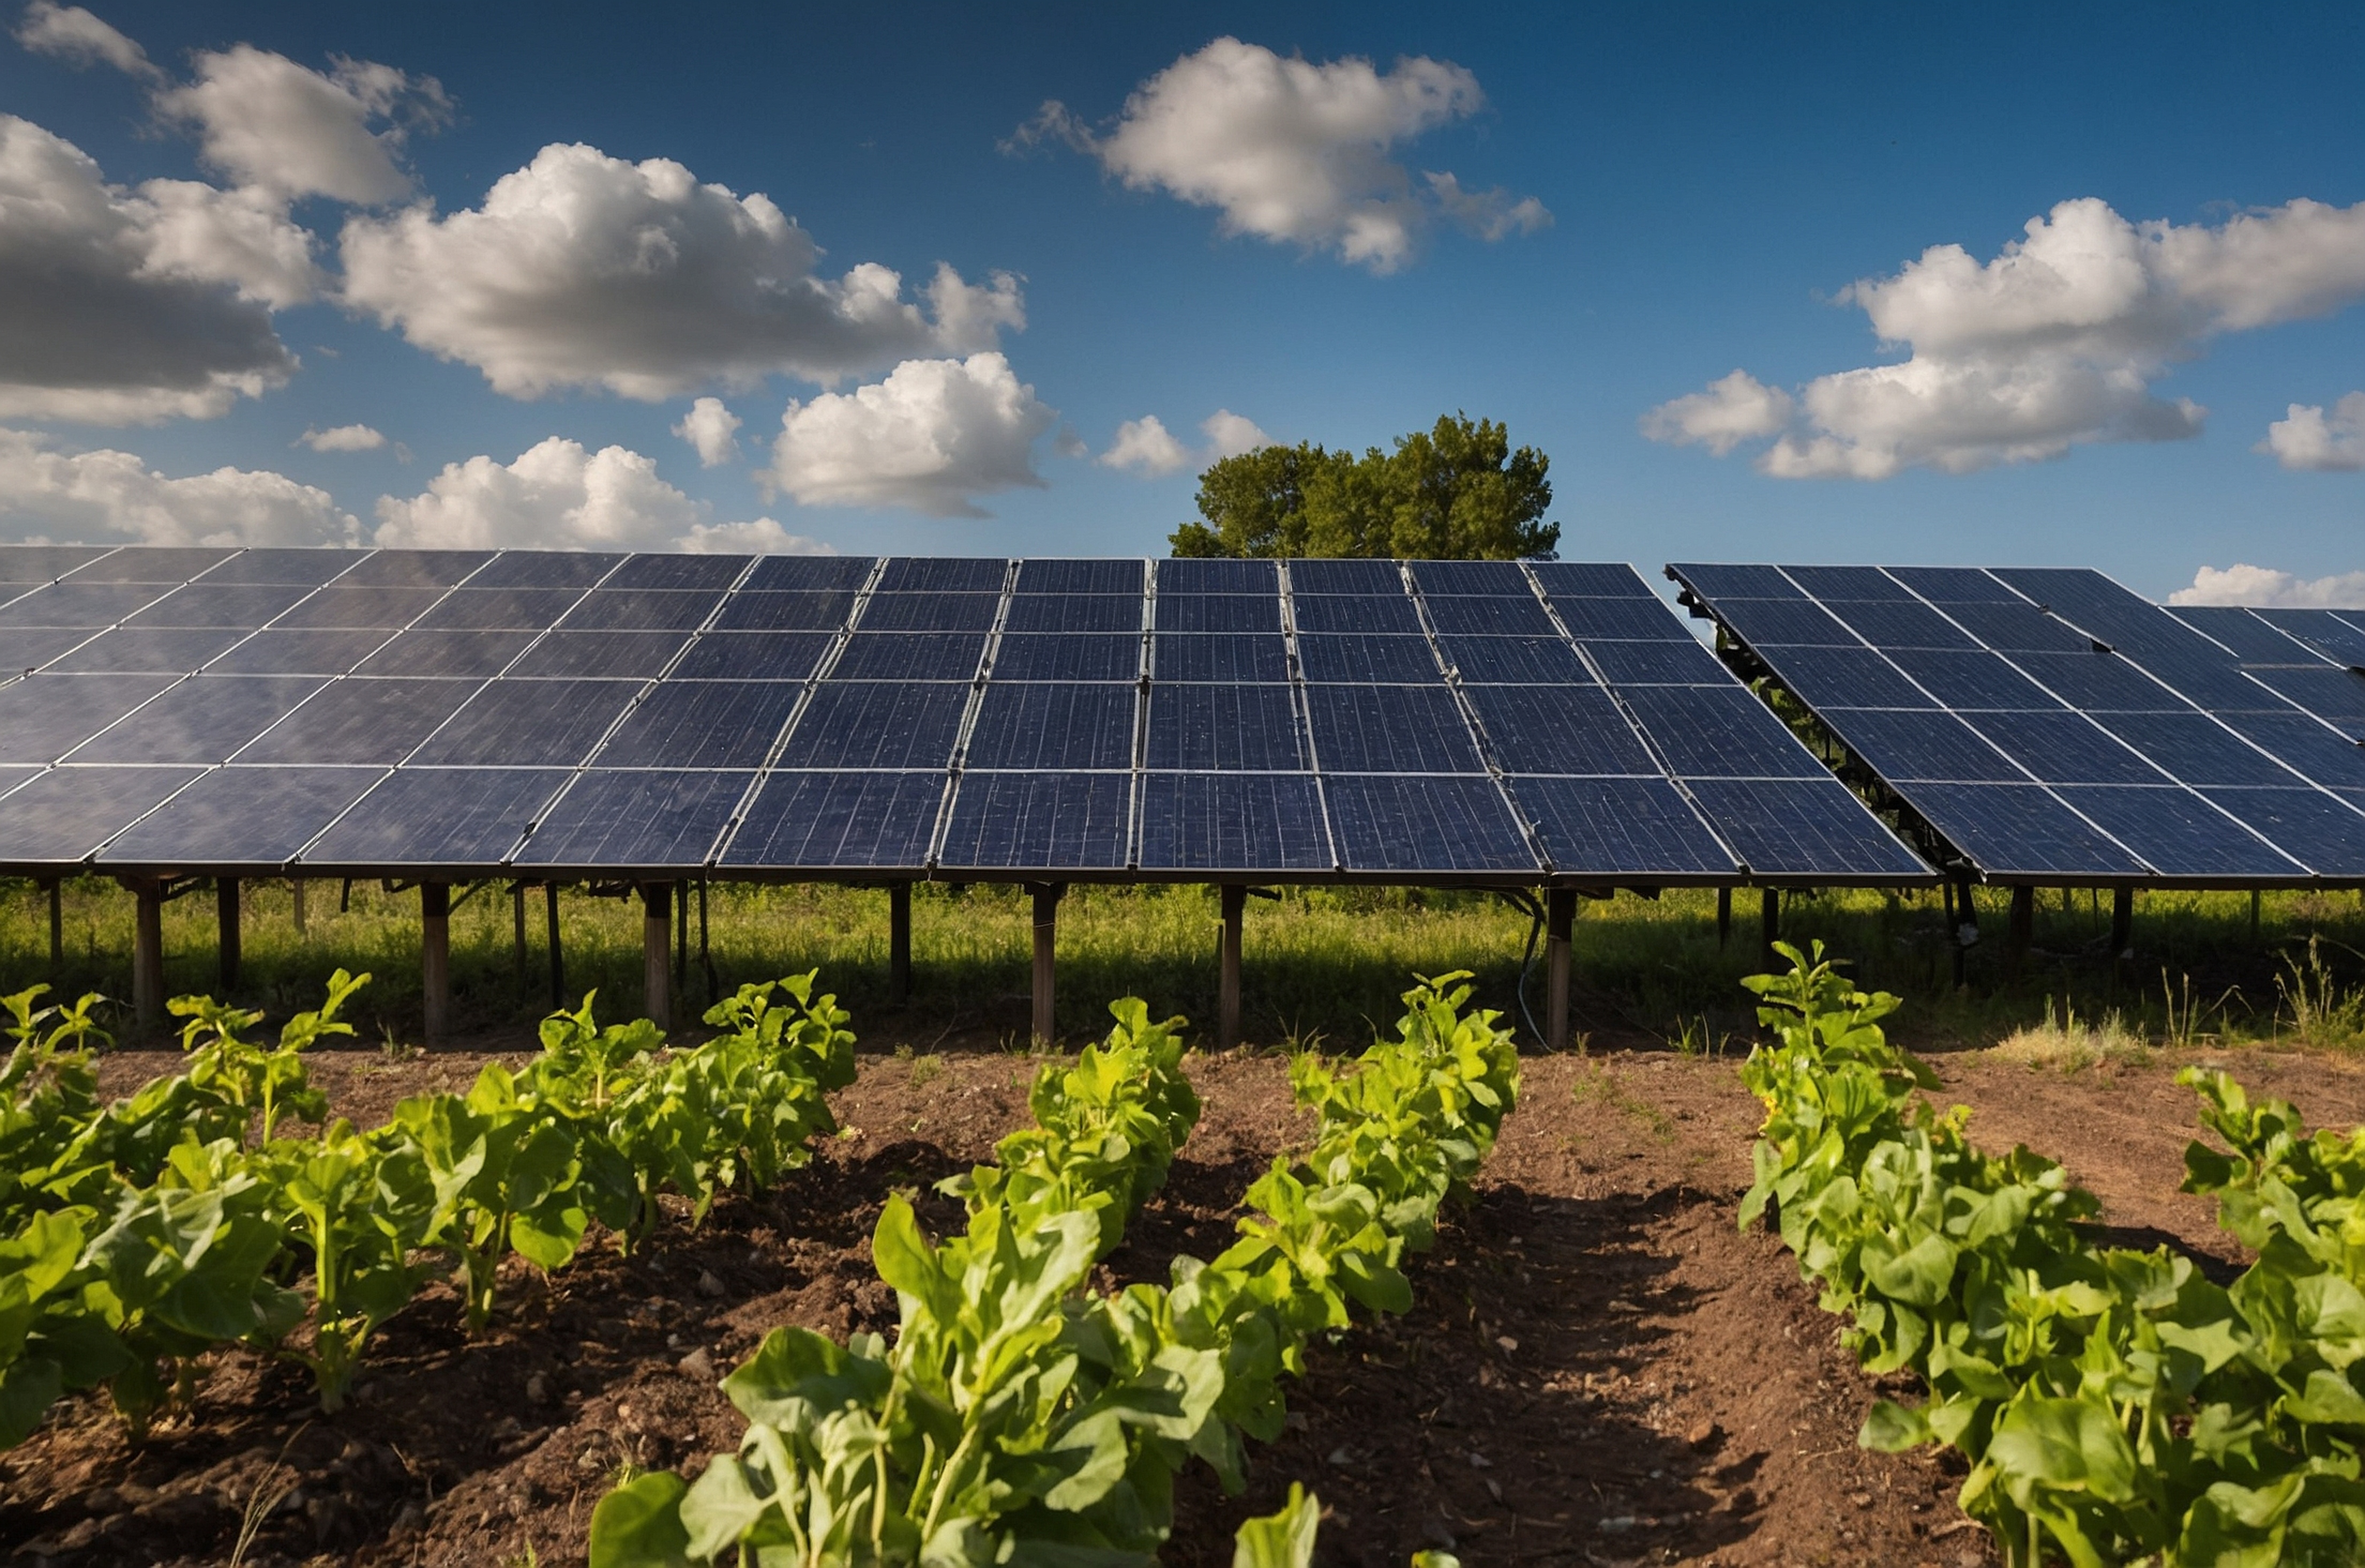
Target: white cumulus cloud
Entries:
(2053, 342)
(1146, 446)
(2270, 590)
(114, 497)
(931, 435)
(342, 438)
(584, 270)
(2306, 438)
(764, 535)
(283, 127)
(76, 36)
(128, 306)
(713, 429)
(1296, 151)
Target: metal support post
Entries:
(2023, 932)
(899, 943)
(681, 943)
(2123, 922)
(226, 923)
(1047, 921)
(297, 884)
(1560, 931)
(1723, 915)
(435, 957)
(2254, 917)
(557, 959)
(57, 931)
(148, 952)
(1770, 913)
(656, 968)
(517, 914)
(1235, 899)
(705, 960)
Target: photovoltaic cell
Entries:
(359, 720)
(1389, 729)
(1720, 731)
(1395, 658)
(1613, 827)
(1087, 575)
(2318, 750)
(528, 723)
(659, 820)
(2323, 631)
(341, 604)
(145, 651)
(1865, 677)
(492, 610)
(24, 648)
(1073, 656)
(808, 574)
(1219, 612)
(1365, 578)
(673, 571)
(1686, 663)
(1501, 617)
(840, 822)
(456, 656)
(150, 565)
(1196, 657)
(1643, 620)
(44, 716)
(1228, 729)
(1441, 825)
(1719, 582)
(43, 563)
(703, 723)
(1059, 726)
(1559, 729)
(238, 607)
(744, 656)
(1483, 578)
(80, 604)
(910, 656)
(2017, 628)
(1515, 660)
(1056, 820)
(2197, 749)
(61, 816)
(439, 817)
(206, 718)
(2246, 636)
(1217, 576)
(2022, 830)
(649, 610)
(1833, 582)
(1903, 745)
(2069, 748)
(1344, 613)
(2100, 683)
(1802, 827)
(620, 655)
(1590, 579)
(785, 611)
(2180, 835)
(1971, 680)
(2337, 696)
(930, 611)
(1073, 612)
(299, 652)
(943, 573)
(2326, 833)
(1786, 622)
(241, 816)
(1214, 823)
(1968, 585)
(415, 568)
(544, 569)
(855, 723)
(1902, 625)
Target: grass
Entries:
(1323, 964)
(2068, 1042)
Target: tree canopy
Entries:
(1456, 491)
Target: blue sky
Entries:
(1716, 177)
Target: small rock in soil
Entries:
(1704, 1434)
(696, 1364)
(537, 1388)
(707, 1284)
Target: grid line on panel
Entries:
(485, 565)
(955, 767)
(821, 672)
(1141, 699)
(1304, 710)
(1633, 722)
(1478, 736)
(191, 782)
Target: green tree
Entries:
(1456, 491)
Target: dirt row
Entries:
(1599, 1367)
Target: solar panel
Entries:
(439, 817)
(2083, 732)
(62, 815)
(1800, 827)
(605, 713)
(665, 819)
(838, 820)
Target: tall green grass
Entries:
(1320, 961)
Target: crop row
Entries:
(136, 1236)
(2116, 1405)
(1021, 1417)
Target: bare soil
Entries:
(1600, 1366)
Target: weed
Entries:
(2069, 1042)
(2323, 1011)
(926, 1069)
(1601, 1085)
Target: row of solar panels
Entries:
(402, 710)
(2047, 724)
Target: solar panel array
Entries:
(2052, 725)
(398, 711)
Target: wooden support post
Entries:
(148, 954)
(680, 941)
(1723, 915)
(2023, 932)
(297, 884)
(2123, 922)
(1235, 899)
(2254, 917)
(517, 912)
(435, 957)
(899, 943)
(226, 925)
(1770, 913)
(705, 960)
(1559, 933)
(1047, 922)
(57, 931)
(656, 966)
(557, 959)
